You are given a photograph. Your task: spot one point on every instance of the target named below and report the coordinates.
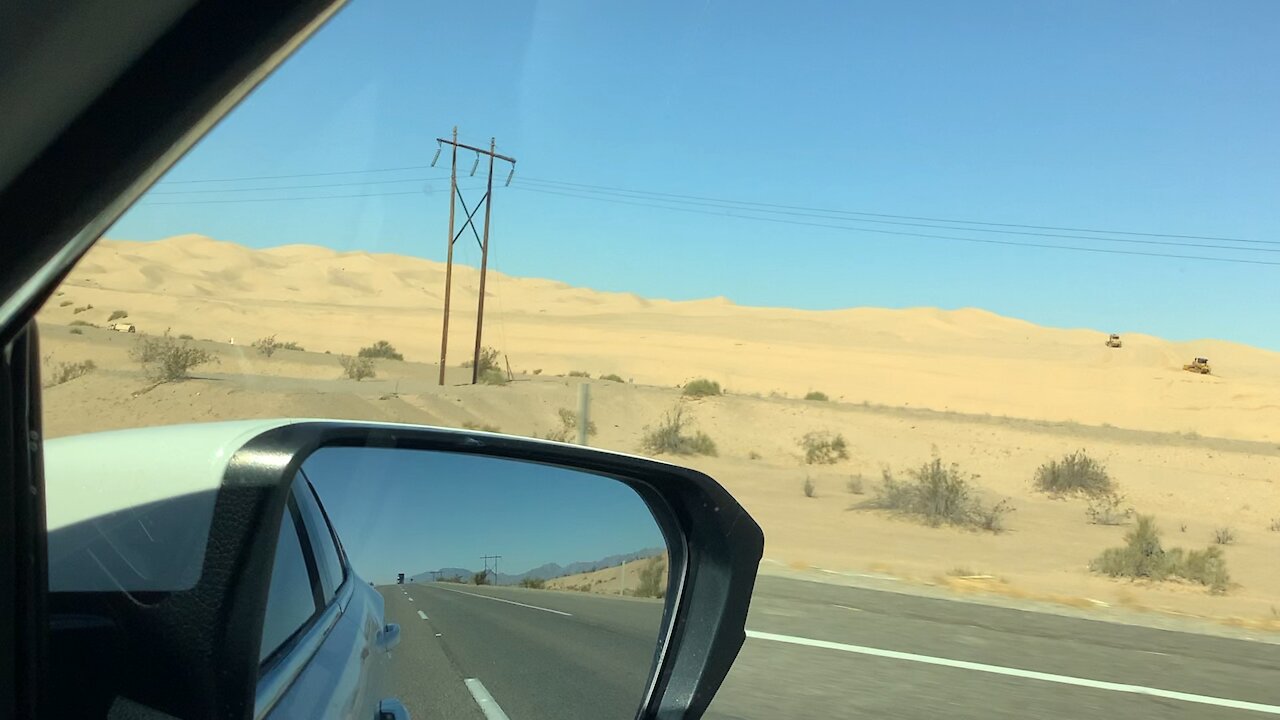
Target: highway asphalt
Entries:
(537, 653)
(820, 651)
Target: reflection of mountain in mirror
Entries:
(406, 511)
(640, 573)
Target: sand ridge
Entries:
(965, 360)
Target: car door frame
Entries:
(289, 662)
(187, 73)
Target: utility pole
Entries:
(484, 269)
(584, 412)
(448, 264)
(455, 197)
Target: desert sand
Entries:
(997, 395)
(621, 579)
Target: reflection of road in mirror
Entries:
(521, 590)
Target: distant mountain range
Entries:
(542, 572)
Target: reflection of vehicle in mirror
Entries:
(1199, 365)
(320, 616)
(227, 565)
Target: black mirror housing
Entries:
(208, 636)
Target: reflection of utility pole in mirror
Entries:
(485, 573)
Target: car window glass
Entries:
(291, 600)
(961, 301)
(328, 562)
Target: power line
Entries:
(722, 200)
(665, 201)
(293, 175)
(299, 197)
(280, 199)
(296, 187)
(904, 217)
(730, 214)
(846, 228)
(724, 204)
(1025, 233)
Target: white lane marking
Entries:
(422, 615)
(410, 599)
(846, 607)
(509, 602)
(487, 704)
(1019, 673)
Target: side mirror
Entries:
(392, 710)
(625, 579)
(389, 637)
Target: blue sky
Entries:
(411, 511)
(1138, 116)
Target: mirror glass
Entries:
(529, 589)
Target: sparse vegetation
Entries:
(650, 584)
(490, 372)
(568, 430)
(753, 455)
(381, 350)
(1224, 536)
(816, 396)
(613, 378)
(356, 368)
(1075, 474)
(76, 331)
(701, 387)
(939, 495)
(579, 373)
(823, 448)
(265, 346)
(165, 358)
(809, 489)
(482, 427)
(269, 345)
(82, 308)
(1108, 509)
(67, 371)
(1143, 558)
(480, 578)
(669, 437)
(81, 323)
(186, 336)
(533, 583)
(537, 371)
(855, 485)
(117, 315)
(493, 376)
(1275, 525)
(65, 303)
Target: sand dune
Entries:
(966, 360)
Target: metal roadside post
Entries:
(584, 411)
